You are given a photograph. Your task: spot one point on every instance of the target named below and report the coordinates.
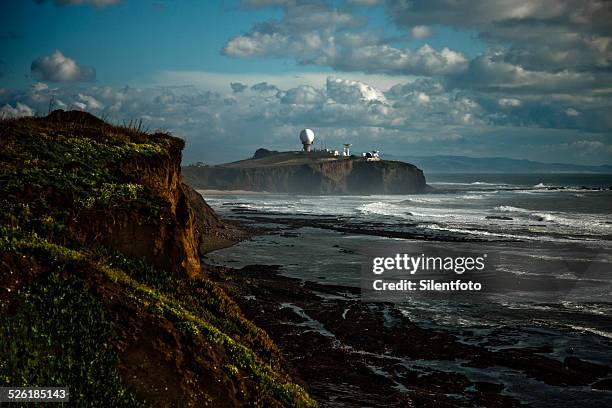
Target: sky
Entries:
(525, 79)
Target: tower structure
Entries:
(346, 152)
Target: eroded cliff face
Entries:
(348, 176)
(116, 187)
(213, 232)
(167, 239)
(99, 255)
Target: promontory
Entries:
(309, 172)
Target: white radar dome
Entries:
(307, 136)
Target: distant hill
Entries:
(464, 164)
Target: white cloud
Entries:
(588, 148)
(257, 44)
(478, 12)
(572, 112)
(222, 125)
(509, 102)
(357, 39)
(219, 81)
(39, 86)
(20, 110)
(589, 145)
(421, 31)
(58, 104)
(316, 34)
(536, 34)
(347, 91)
(490, 73)
(59, 68)
(422, 98)
(426, 85)
(90, 102)
(386, 59)
(562, 49)
(303, 95)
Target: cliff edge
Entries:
(213, 232)
(101, 289)
(316, 173)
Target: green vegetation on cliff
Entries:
(99, 289)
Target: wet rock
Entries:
(603, 385)
(498, 217)
(488, 387)
(289, 315)
(345, 352)
(588, 368)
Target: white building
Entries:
(374, 155)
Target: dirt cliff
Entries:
(99, 255)
(213, 232)
(168, 240)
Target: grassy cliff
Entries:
(100, 283)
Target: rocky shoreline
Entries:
(349, 353)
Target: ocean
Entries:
(550, 236)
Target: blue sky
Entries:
(521, 79)
(131, 39)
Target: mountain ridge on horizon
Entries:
(466, 164)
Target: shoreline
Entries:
(229, 237)
(351, 353)
(206, 192)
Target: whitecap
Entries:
(597, 332)
(509, 208)
(472, 196)
(483, 183)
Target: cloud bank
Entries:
(540, 87)
(315, 34)
(59, 68)
(419, 117)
